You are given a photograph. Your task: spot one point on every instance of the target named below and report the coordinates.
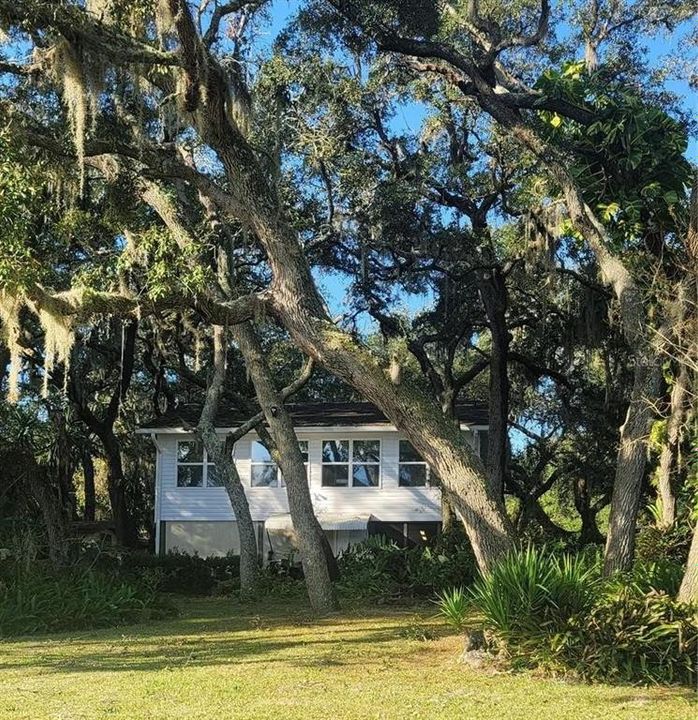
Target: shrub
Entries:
(454, 605)
(634, 636)
(379, 568)
(178, 573)
(556, 612)
(42, 600)
(532, 594)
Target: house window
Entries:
(265, 472)
(354, 463)
(193, 467)
(413, 471)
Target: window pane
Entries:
(303, 447)
(335, 475)
(212, 479)
(367, 451)
(190, 475)
(413, 475)
(260, 453)
(265, 476)
(335, 451)
(408, 453)
(365, 475)
(190, 451)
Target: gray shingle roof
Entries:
(305, 415)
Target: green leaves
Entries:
(630, 161)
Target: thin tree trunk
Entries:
(227, 471)
(668, 461)
(124, 527)
(587, 512)
(53, 514)
(88, 470)
(630, 469)
(493, 293)
(311, 537)
(688, 592)
(447, 514)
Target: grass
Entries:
(219, 660)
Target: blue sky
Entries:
(409, 118)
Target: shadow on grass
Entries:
(220, 632)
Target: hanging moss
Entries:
(10, 306)
(164, 20)
(80, 89)
(59, 339)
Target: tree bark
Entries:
(88, 470)
(311, 537)
(53, 513)
(688, 592)
(227, 471)
(668, 460)
(103, 427)
(493, 293)
(630, 468)
(124, 527)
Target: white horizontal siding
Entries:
(388, 502)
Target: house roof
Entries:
(326, 414)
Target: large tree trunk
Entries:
(438, 441)
(227, 472)
(311, 537)
(493, 293)
(668, 460)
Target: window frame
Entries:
(400, 463)
(280, 482)
(350, 463)
(204, 464)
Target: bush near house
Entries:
(379, 568)
(177, 572)
(42, 599)
(557, 612)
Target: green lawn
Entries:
(220, 661)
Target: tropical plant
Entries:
(454, 605)
(533, 593)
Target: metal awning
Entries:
(328, 521)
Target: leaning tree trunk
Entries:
(311, 537)
(438, 441)
(227, 471)
(668, 460)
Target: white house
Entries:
(364, 479)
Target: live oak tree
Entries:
(184, 72)
(470, 50)
(156, 99)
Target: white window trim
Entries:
(280, 483)
(204, 464)
(423, 463)
(350, 463)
